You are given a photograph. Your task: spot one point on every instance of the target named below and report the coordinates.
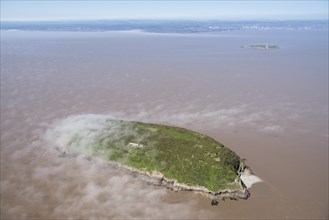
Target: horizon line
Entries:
(172, 19)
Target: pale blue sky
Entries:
(77, 10)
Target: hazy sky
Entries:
(261, 9)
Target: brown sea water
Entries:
(269, 106)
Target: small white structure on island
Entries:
(135, 145)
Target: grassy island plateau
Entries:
(175, 157)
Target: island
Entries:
(262, 46)
(174, 157)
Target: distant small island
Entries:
(262, 46)
(174, 157)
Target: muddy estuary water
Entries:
(269, 106)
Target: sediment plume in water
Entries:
(274, 101)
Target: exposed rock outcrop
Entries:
(158, 179)
(214, 202)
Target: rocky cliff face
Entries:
(188, 160)
(158, 179)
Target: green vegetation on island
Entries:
(190, 158)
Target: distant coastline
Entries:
(163, 26)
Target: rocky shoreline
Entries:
(158, 179)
